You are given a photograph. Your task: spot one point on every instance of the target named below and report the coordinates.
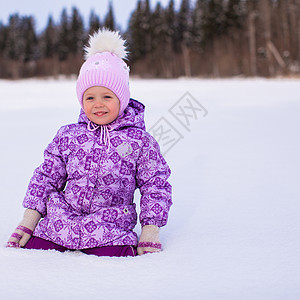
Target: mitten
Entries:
(149, 240)
(25, 229)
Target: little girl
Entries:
(81, 197)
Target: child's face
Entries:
(100, 105)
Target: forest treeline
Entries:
(207, 38)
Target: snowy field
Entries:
(234, 229)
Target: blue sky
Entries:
(42, 9)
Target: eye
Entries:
(107, 97)
(89, 98)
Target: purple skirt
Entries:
(119, 251)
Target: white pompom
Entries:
(106, 40)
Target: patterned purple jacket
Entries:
(84, 189)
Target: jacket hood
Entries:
(133, 116)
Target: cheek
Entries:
(117, 109)
(118, 106)
(86, 106)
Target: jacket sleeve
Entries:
(152, 175)
(49, 177)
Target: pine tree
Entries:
(30, 39)
(158, 27)
(14, 43)
(145, 20)
(76, 32)
(184, 22)
(109, 20)
(136, 34)
(235, 14)
(213, 18)
(184, 27)
(3, 38)
(50, 39)
(196, 30)
(164, 39)
(94, 22)
(213, 27)
(63, 45)
(170, 21)
(15, 46)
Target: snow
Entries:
(234, 228)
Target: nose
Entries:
(99, 103)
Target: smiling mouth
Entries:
(100, 114)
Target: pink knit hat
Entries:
(104, 66)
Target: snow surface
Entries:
(234, 228)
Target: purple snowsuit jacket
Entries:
(84, 189)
